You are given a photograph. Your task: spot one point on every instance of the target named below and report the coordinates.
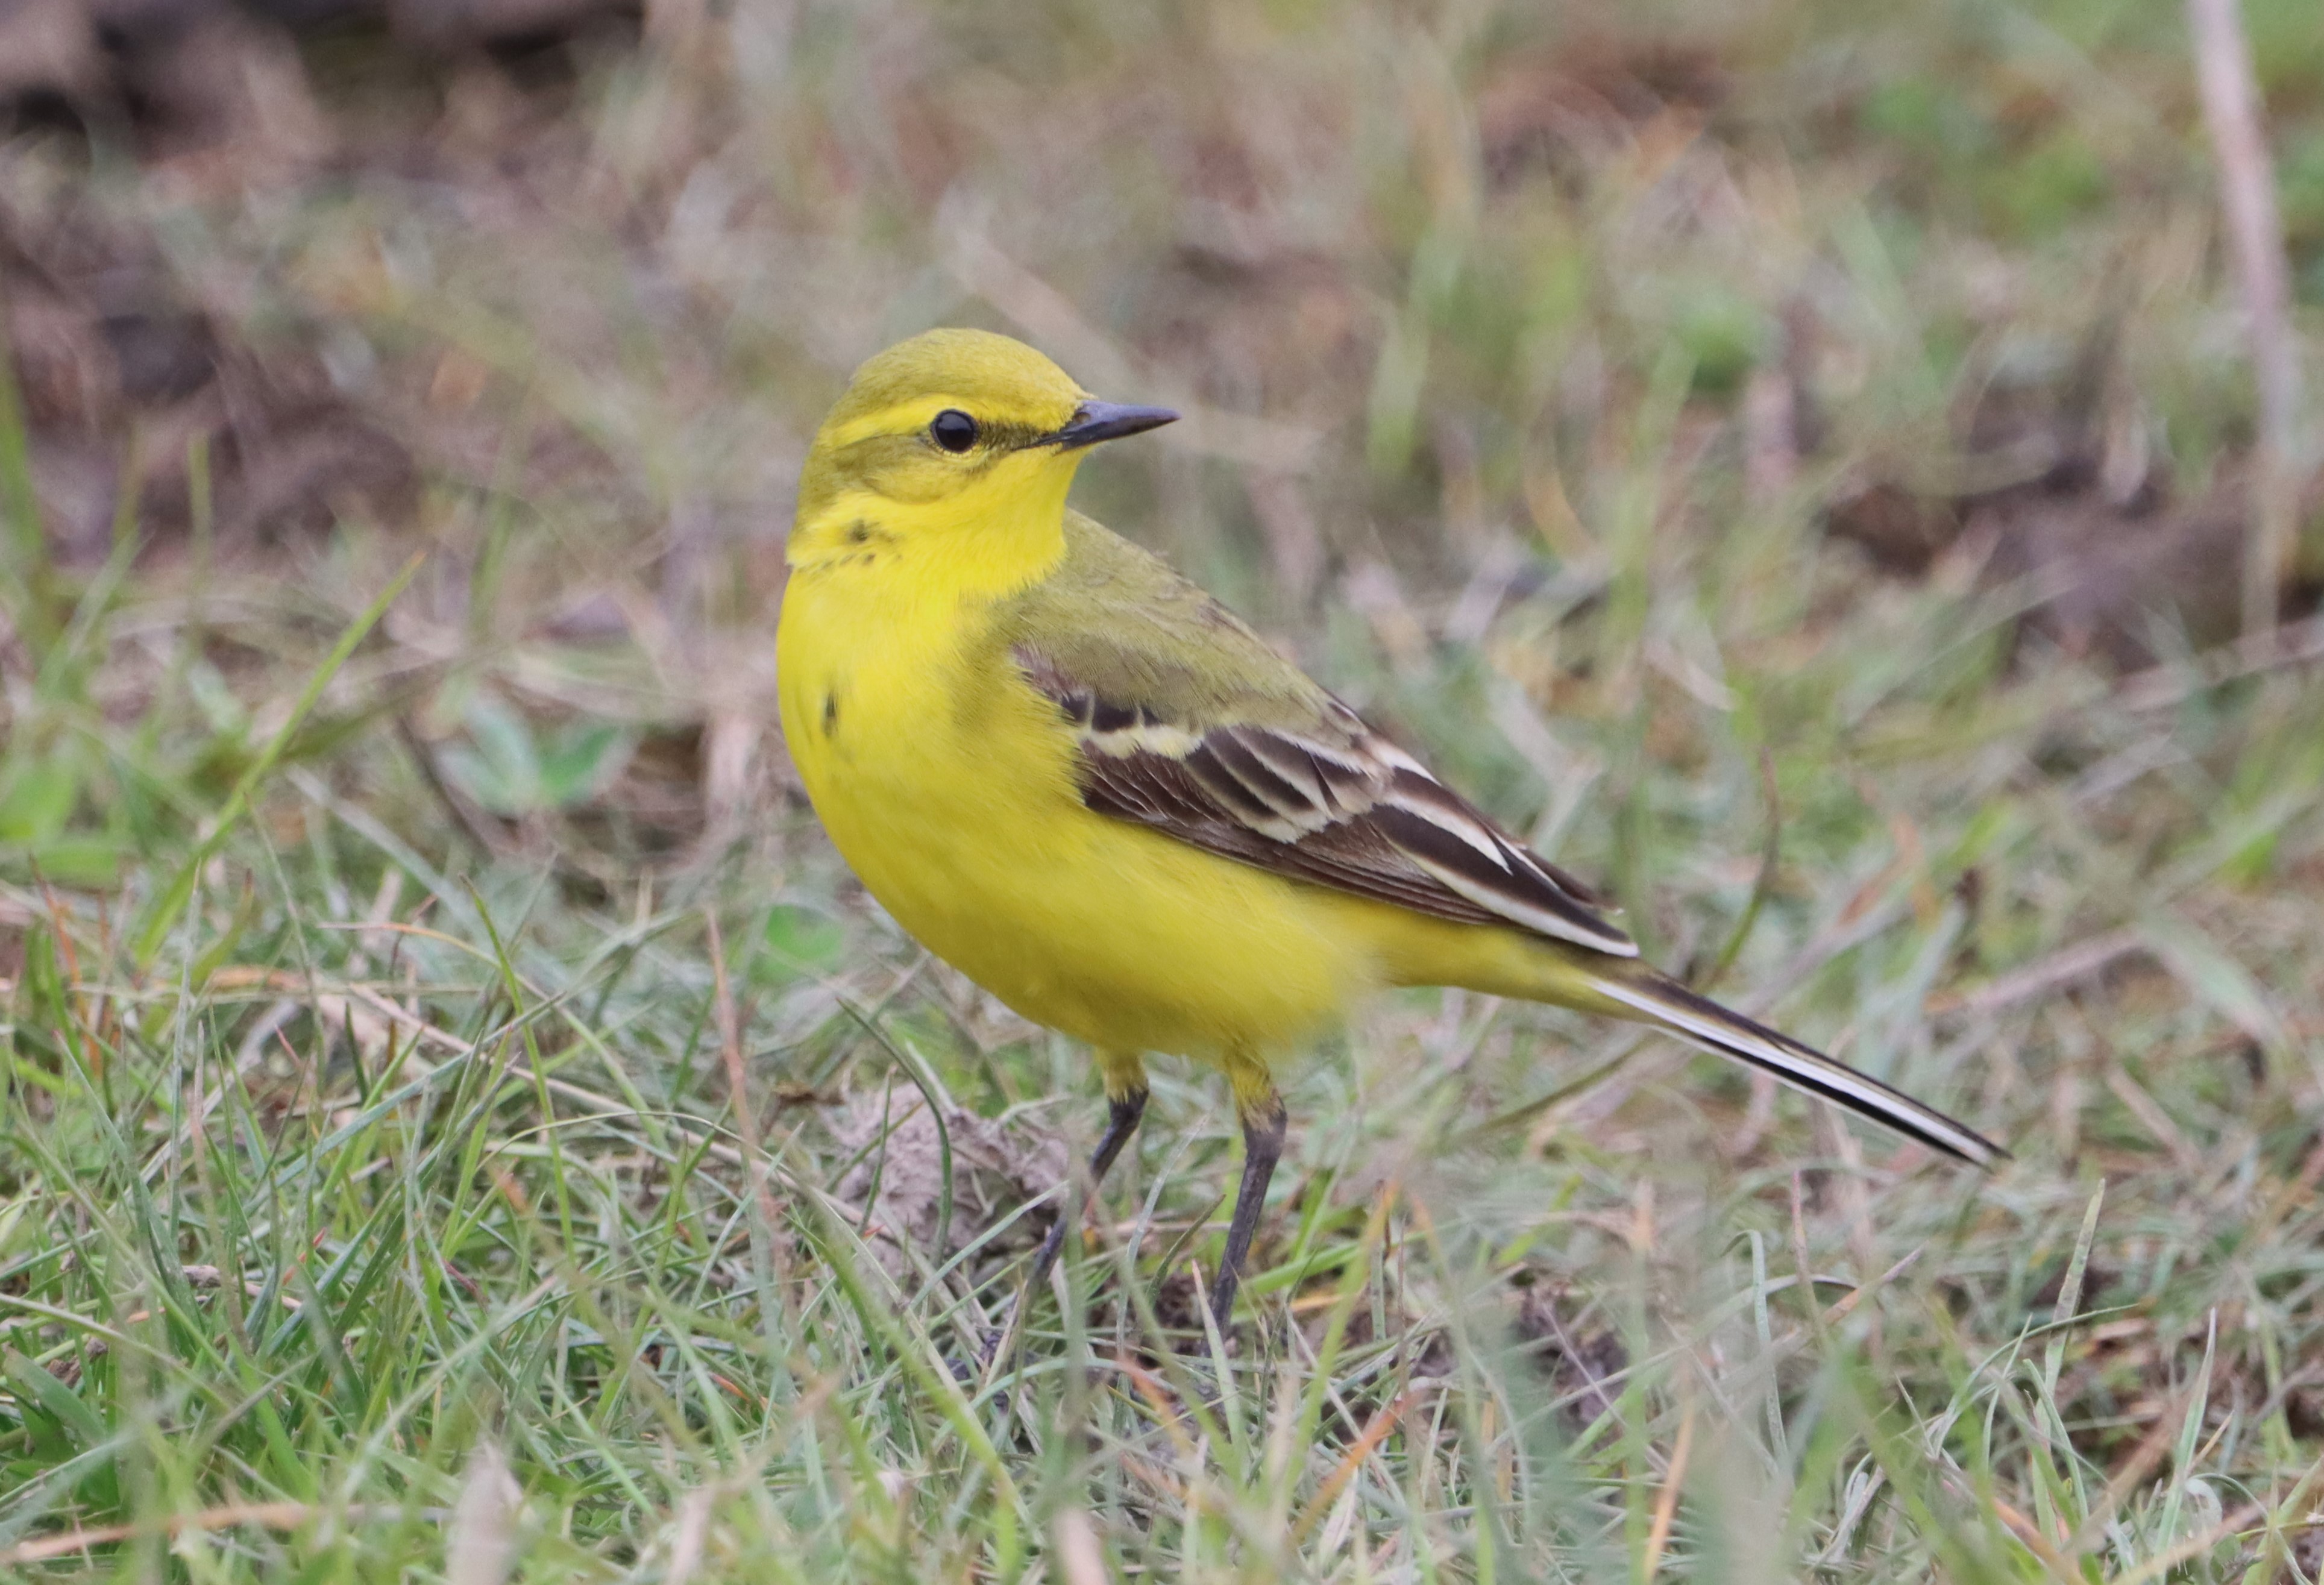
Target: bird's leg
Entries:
(1125, 1095)
(1263, 1128)
(1124, 1108)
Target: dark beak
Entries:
(1094, 421)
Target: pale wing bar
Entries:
(1358, 814)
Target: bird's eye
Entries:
(952, 429)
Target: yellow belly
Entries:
(951, 797)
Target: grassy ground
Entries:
(462, 1120)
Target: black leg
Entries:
(1263, 1128)
(1123, 1112)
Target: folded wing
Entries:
(1327, 801)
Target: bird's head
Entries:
(954, 429)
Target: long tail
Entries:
(1698, 1020)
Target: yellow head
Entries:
(948, 432)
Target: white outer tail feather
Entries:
(1701, 1022)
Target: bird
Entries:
(1078, 778)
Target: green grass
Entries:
(461, 1119)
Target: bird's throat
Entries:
(989, 540)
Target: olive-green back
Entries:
(1117, 618)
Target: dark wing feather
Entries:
(1328, 801)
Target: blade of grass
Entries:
(173, 899)
(29, 567)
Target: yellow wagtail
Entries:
(1082, 781)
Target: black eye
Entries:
(952, 429)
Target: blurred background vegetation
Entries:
(1794, 459)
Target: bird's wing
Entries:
(1188, 723)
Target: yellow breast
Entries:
(948, 785)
